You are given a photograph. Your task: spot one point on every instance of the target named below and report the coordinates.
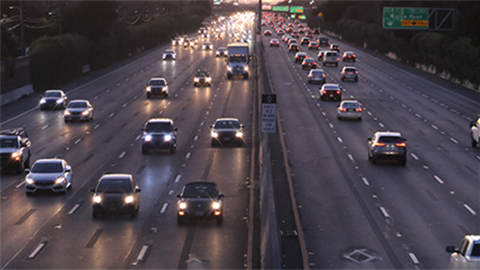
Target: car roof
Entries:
(473, 238)
(159, 120)
(330, 86)
(157, 78)
(226, 119)
(201, 183)
(49, 160)
(116, 176)
(351, 67)
(301, 53)
(388, 133)
(53, 91)
(13, 131)
(79, 101)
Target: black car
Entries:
(116, 194)
(53, 100)
(200, 200)
(201, 78)
(323, 41)
(159, 133)
(387, 145)
(227, 131)
(300, 56)
(157, 87)
(330, 91)
(14, 150)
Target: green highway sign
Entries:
(296, 9)
(280, 8)
(405, 18)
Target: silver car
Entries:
(52, 174)
(330, 57)
(316, 76)
(349, 109)
(78, 110)
(349, 73)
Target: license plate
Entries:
(350, 73)
(199, 213)
(331, 95)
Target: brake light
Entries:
(402, 144)
(343, 109)
(324, 92)
(359, 109)
(379, 144)
(338, 92)
(356, 72)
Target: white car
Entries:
(349, 109)
(207, 46)
(78, 110)
(169, 54)
(475, 132)
(467, 256)
(52, 174)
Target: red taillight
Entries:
(356, 72)
(343, 109)
(323, 76)
(324, 92)
(379, 144)
(338, 92)
(338, 59)
(402, 144)
(359, 109)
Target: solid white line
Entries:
(142, 253)
(74, 209)
(365, 181)
(438, 179)
(188, 155)
(469, 209)
(35, 252)
(414, 156)
(413, 257)
(178, 178)
(384, 212)
(164, 208)
(122, 154)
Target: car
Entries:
(78, 110)
(309, 34)
(207, 46)
(330, 57)
(349, 109)
(219, 36)
(226, 131)
(475, 132)
(158, 134)
(335, 47)
(349, 73)
(169, 54)
(317, 76)
(300, 56)
(176, 41)
(53, 174)
(201, 78)
(15, 150)
(200, 200)
(467, 256)
(274, 42)
(330, 91)
(292, 40)
(316, 31)
(157, 86)
(221, 52)
(313, 45)
(295, 34)
(116, 194)
(305, 40)
(320, 55)
(53, 100)
(293, 47)
(280, 32)
(323, 41)
(309, 63)
(267, 33)
(349, 56)
(387, 145)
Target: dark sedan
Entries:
(200, 200)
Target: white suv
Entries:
(330, 57)
(475, 131)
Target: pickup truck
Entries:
(475, 132)
(14, 150)
(469, 252)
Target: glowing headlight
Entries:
(246, 68)
(196, 79)
(204, 46)
(60, 180)
(42, 101)
(229, 68)
(165, 89)
(214, 134)
(208, 79)
(97, 199)
(60, 100)
(164, 56)
(85, 113)
(167, 138)
(239, 134)
(182, 205)
(129, 199)
(149, 89)
(216, 205)
(173, 42)
(148, 138)
(66, 112)
(16, 155)
(29, 180)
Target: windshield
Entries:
(158, 127)
(52, 94)
(77, 105)
(200, 191)
(237, 58)
(47, 167)
(157, 82)
(203, 73)
(114, 186)
(227, 124)
(8, 143)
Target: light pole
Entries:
(22, 42)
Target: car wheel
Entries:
(219, 220)
(148, 95)
(28, 193)
(342, 79)
(336, 64)
(229, 76)
(360, 119)
(245, 77)
(356, 79)
(214, 143)
(403, 160)
(474, 143)
(133, 214)
(172, 150)
(66, 121)
(374, 160)
(339, 118)
(21, 167)
(26, 164)
(94, 214)
(240, 143)
(165, 96)
(324, 64)
(144, 150)
(179, 220)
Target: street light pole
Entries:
(22, 41)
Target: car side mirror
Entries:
(138, 189)
(211, 126)
(92, 190)
(472, 124)
(221, 195)
(369, 139)
(27, 170)
(68, 168)
(242, 126)
(175, 129)
(178, 195)
(451, 249)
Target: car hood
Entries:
(44, 176)
(74, 110)
(7, 150)
(226, 130)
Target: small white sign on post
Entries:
(269, 113)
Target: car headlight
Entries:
(195, 79)
(208, 79)
(85, 113)
(229, 68)
(165, 89)
(173, 42)
(97, 199)
(246, 68)
(216, 205)
(66, 113)
(60, 100)
(214, 134)
(29, 180)
(167, 138)
(60, 180)
(164, 56)
(16, 156)
(129, 199)
(42, 101)
(239, 134)
(149, 88)
(148, 138)
(204, 46)
(182, 205)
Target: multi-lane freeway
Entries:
(353, 214)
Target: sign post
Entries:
(269, 113)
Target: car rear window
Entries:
(390, 139)
(350, 70)
(331, 54)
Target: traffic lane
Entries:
(308, 175)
